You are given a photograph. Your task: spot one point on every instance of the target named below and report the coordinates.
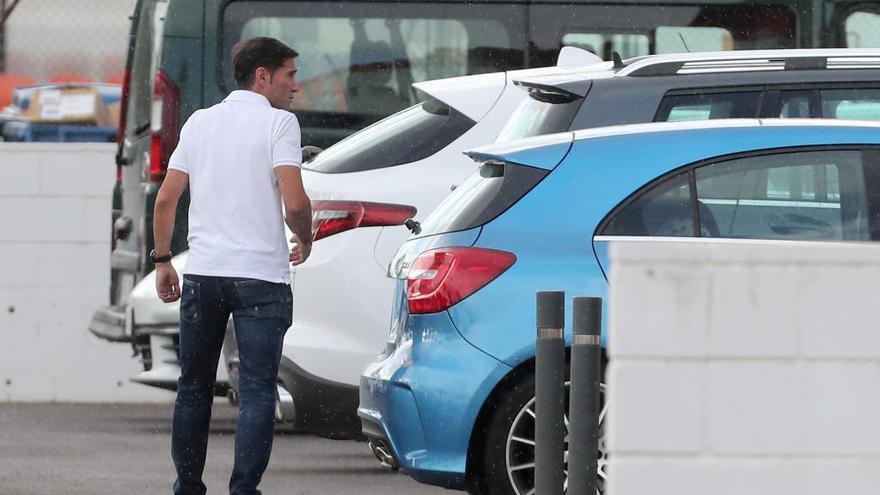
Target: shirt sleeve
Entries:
(287, 150)
(180, 158)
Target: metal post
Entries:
(583, 406)
(550, 394)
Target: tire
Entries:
(507, 460)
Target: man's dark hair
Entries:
(248, 55)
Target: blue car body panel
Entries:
(458, 357)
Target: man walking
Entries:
(241, 159)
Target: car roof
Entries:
(547, 151)
(720, 62)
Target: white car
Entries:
(363, 190)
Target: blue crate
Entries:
(23, 131)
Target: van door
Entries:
(129, 195)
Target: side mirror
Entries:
(309, 152)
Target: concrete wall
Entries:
(744, 368)
(54, 271)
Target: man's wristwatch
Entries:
(159, 259)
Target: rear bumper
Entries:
(422, 399)
(112, 323)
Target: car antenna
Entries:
(683, 42)
(618, 63)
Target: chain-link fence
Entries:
(64, 41)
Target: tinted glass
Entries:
(358, 59)
(802, 196)
(853, 104)
(144, 63)
(534, 117)
(487, 193)
(410, 135)
(709, 106)
(663, 210)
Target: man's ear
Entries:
(261, 75)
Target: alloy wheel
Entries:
(520, 447)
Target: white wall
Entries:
(744, 368)
(54, 271)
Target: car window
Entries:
(534, 117)
(816, 195)
(853, 104)
(663, 210)
(144, 63)
(707, 106)
(407, 136)
(795, 105)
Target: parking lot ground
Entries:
(72, 449)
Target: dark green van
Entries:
(358, 59)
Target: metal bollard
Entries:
(583, 416)
(550, 393)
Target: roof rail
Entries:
(751, 61)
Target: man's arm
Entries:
(167, 282)
(297, 210)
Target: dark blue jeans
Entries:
(262, 313)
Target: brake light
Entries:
(165, 125)
(332, 217)
(441, 278)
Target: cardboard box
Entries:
(67, 106)
(113, 114)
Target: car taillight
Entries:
(441, 278)
(165, 128)
(331, 217)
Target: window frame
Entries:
(870, 154)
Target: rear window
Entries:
(486, 194)
(709, 106)
(536, 116)
(144, 63)
(413, 134)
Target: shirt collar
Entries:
(247, 96)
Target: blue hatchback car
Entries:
(451, 399)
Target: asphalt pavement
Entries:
(72, 449)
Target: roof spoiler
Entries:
(572, 55)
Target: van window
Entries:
(639, 29)
(863, 30)
(358, 59)
(144, 63)
(410, 135)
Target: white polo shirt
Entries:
(229, 151)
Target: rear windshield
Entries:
(536, 116)
(144, 61)
(483, 196)
(413, 134)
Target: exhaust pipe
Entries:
(285, 409)
(383, 453)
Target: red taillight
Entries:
(165, 120)
(332, 217)
(441, 278)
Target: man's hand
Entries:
(300, 252)
(167, 283)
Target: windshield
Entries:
(407, 136)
